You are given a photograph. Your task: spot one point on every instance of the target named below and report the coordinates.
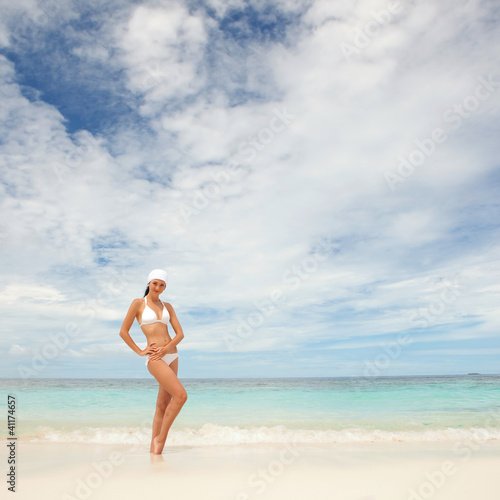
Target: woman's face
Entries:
(157, 286)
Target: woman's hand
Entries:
(151, 349)
(161, 351)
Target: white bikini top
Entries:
(149, 316)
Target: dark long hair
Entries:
(147, 291)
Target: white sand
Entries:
(448, 471)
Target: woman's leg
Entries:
(162, 402)
(168, 380)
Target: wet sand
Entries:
(373, 471)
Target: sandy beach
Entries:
(371, 471)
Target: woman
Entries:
(162, 359)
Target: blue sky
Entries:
(319, 178)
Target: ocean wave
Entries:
(213, 434)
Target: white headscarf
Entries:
(158, 274)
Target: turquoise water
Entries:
(260, 410)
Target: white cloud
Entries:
(460, 352)
(28, 290)
(161, 49)
(17, 350)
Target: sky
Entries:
(319, 178)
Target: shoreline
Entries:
(232, 435)
(367, 471)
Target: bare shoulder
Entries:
(168, 306)
(136, 303)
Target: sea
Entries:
(250, 411)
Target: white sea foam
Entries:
(212, 434)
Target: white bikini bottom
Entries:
(168, 358)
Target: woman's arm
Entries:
(126, 325)
(179, 334)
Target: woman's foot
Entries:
(158, 445)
